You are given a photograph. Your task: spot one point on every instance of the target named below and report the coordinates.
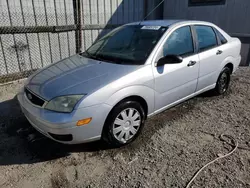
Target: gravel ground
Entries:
(171, 148)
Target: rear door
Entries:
(210, 55)
(176, 81)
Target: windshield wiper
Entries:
(90, 55)
(96, 57)
(105, 58)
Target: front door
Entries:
(174, 82)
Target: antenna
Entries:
(152, 11)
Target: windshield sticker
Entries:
(151, 27)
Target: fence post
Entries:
(77, 8)
(145, 9)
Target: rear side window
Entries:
(222, 39)
(180, 42)
(206, 37)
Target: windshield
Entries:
(130, 44)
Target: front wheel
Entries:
(124, 123)
(223, 81)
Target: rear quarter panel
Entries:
(231, 50)
(231, 54)
(236, 46)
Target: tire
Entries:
(122, 125)
(223, 81)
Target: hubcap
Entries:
(126, 124)
(223, 82)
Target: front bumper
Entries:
(61, 126)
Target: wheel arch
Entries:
(143, 94)
(228, 62)
(230, 66)
(136, 98)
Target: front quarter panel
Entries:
(142, 91)
(139, 82)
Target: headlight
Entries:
(63, 103)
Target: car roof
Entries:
(157, 22)
(169, 23)
(166, 23)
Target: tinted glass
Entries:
(223, 40)
(128, 44)
(180, 42)
(206, 37)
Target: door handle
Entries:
(191, 63)
(219, 52)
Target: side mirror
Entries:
(169, 59)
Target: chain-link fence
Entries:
(36, 33)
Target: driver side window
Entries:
(180, 42)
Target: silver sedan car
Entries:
(133, 72)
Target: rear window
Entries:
(206, 37)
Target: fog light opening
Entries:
(83, 122)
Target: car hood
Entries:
(75, 75)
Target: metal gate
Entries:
(36, 33)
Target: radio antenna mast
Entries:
(152, 11)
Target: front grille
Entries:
(33, 98)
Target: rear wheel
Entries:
(223, 81)
(124, 123)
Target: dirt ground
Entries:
(171, 148)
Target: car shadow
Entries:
(21, 144)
